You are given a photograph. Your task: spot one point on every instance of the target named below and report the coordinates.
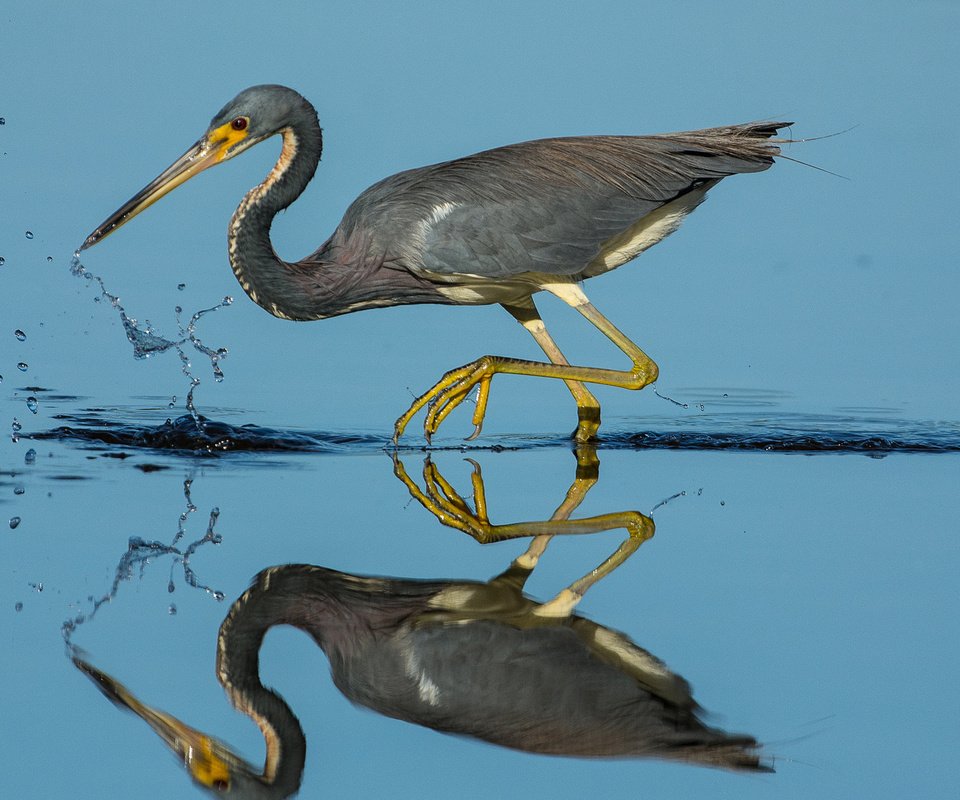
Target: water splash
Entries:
(33, 404)
(147, 342)
(140, 553)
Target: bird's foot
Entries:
(449, 392)
(588, 423)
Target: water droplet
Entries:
(2, 121)
(49, 259)
(172, 610)
(2, 261)
(20, 334)
(181, 286)
(218, 596)
(23, 366)
(18, 606)
(29, 234)
(30, 457)
(228, 300)
(14, 521)
(723, 502)
(18, 490)
(32, 404)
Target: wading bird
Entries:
(479, 659)
(494, 227)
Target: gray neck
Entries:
(269, 281)
(238, 668)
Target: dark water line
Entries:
(808, 434)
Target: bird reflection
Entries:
(472, 658)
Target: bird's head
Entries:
(212, 765)
(252, 116)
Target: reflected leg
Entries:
(443, 501)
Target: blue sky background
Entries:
(799, 596)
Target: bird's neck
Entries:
(238, 668)
(269, 281)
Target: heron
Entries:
(495, 227)
(464, 657)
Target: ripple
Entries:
(204, 436)
(788, 433)
(780, 433)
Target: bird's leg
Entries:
(588, 473)
(566, 601)
(455, 386)
(442, 500)
(588, 407)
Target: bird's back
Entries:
(560, 207)
(539, 689)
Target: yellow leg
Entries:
(443, 501)
(455, 386)
(588, 407)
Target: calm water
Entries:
(810, 599)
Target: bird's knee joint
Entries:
(485, 363)
(644, 374)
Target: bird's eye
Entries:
(239, 124)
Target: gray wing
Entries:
(537, 689)
(545, 206)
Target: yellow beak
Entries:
(195, 748)
(216, 146)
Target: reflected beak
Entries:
(202, 155)
(193, 747)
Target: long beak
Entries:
(194, 748)
(202, 155)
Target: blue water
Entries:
(796, 595)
